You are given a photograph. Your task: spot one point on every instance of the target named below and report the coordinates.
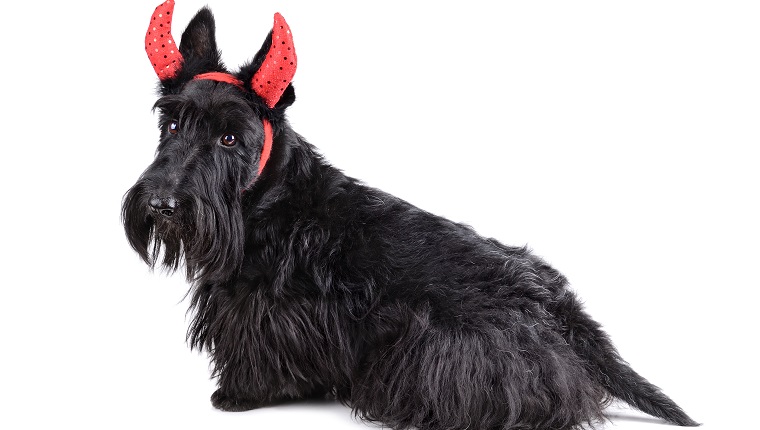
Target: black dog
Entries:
(307, 283)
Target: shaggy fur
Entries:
(308, 283)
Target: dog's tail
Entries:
(590, 342)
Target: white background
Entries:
(618, 140)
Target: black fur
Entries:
(309, 283)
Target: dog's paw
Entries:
(232, 404)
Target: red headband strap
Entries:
(267, 149)
(220, 77)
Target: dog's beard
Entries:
(206, 235)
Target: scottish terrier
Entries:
(306, 283)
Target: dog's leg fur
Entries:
(447, 378)
(260, 347)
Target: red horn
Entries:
(159, 43)
(279, 66)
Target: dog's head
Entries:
(216, 134)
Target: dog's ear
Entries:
(198, 44)
(270, 72)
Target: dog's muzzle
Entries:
(164, 206)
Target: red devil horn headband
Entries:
(279, 66)
(162, 51)
(269, 82)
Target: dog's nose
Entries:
(165, 206)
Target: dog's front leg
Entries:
(243, 382)
(246, 372)
(259, 355)
(242, 388)
(232, 399)
(232, 403)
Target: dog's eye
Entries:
(228, 140)
(173, 127)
